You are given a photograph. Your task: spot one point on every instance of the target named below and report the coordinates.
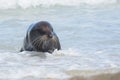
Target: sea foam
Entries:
(13, 4)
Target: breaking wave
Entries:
(13, 4)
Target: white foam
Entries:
(30, 65)
(68, 52)
(10, 4)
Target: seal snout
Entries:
(50, 35)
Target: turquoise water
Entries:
(89, 36)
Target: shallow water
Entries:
(90, 39)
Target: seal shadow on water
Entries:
(41, 37)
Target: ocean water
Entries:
(89, 32)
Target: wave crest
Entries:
(12, 4)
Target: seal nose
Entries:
(50, 35)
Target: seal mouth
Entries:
(44, 43)
(38, 42)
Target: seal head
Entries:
(41, 37)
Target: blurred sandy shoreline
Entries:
(102, 75)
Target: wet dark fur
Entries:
(41, 37)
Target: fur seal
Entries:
(41, 37)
